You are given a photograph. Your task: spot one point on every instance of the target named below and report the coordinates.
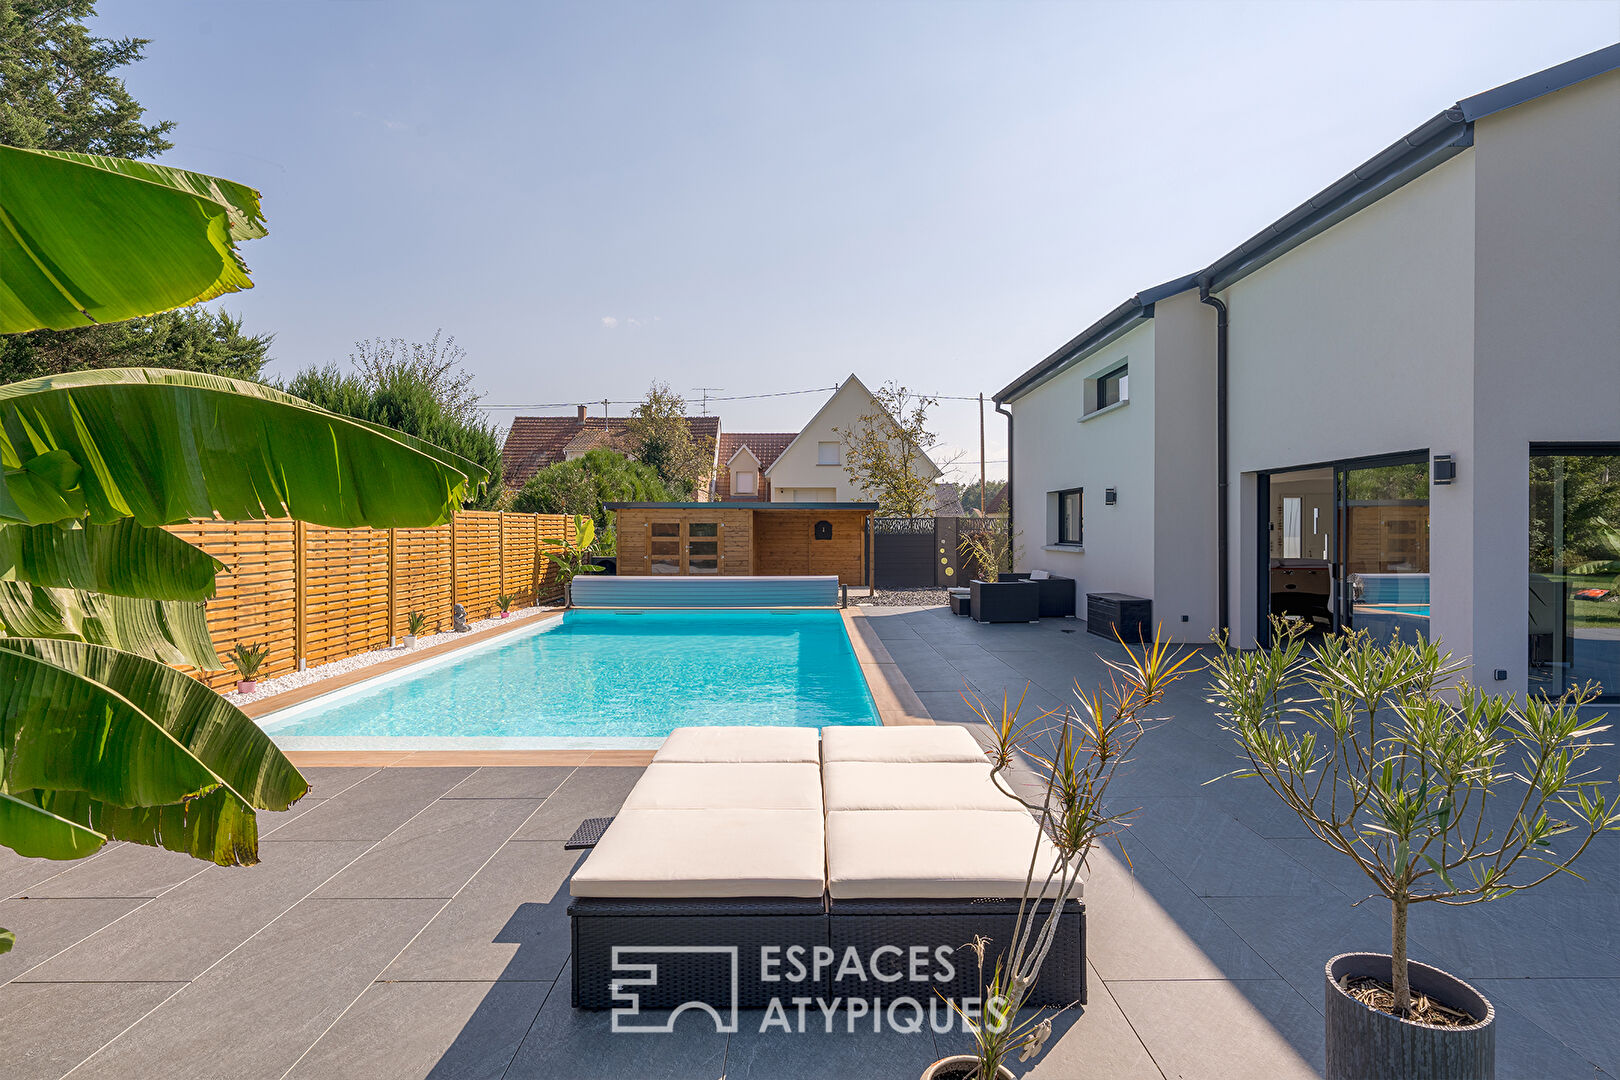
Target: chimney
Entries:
(582, 412)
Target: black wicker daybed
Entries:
(758, 863)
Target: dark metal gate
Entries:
(919, 553)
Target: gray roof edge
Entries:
(1093, 337)
(1558, 77)
(717, 505)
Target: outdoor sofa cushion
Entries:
(715, 744)
(753, 785)
(921, 742)
(662, 854)
(912, 785)
(934, 854)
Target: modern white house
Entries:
(811, 467)
(1397, 408)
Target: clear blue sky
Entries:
(768, 196)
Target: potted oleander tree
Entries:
(1073, 754)
(247, 657)
(996, 597)
(1437, 792)
(415, 623)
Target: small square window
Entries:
(827, 453)
(1070, 505)
(743, 484)
(703, 528)
(1113, 387)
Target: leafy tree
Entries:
(582, 485)
(968, 493)
(57, 87)
(403, 395)
(886, 452)
(662, 438)
(434, 364)
(195, 339)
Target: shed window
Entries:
(827, 453)
(823, 530)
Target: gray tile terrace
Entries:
(410, 922)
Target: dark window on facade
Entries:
(1069, 516)
(1113, 387)
(823, 530)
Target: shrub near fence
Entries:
(323, 594)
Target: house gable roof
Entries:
(843, 387)
(1438, 139)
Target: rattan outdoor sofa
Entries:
(891, 842)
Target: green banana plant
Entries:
(99, 738)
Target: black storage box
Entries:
(1131, 615)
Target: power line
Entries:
(637, 401)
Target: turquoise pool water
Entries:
(1395, 609)
(599, 678)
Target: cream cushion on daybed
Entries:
(912, 785)
(753, 785)
(671, 854)
(722, 744)
(922, 742)
(933, 854)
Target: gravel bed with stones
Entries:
(294, 679)
(902, 598)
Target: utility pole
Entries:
(983, 509)
(706, 390)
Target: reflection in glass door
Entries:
(1575, 568)
(1383, 549)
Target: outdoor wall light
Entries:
(1110, 496)
(1444, 470)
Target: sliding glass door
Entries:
(1575, 567)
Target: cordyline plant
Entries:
(1436, 790)
(1072, 755)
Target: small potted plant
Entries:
(1407, 773)
(248, 657)
(415, 623)
(996, 598)
(1074, 755)
(505, 603)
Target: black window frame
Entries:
(1079, 530)
(1102, 381)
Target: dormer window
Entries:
(743, 483)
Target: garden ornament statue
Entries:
(458, 619)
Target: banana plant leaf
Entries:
(88, 239)
(63, 730)
(39, 834)
(168, 631)
(163, 447)
(124, 558)
(218, 734)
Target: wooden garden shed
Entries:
(745, 538)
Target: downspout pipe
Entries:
(1002, 409)
(1222, 512)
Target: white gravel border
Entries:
(424, 646)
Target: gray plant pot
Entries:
(958, 1066)
(1365, 1044)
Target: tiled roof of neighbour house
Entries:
(998, 502)
(767, 446)
(534, 442)
(947, 501)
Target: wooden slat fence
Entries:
(320, 594)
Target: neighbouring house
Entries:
(1379, 412)
(534, 442)
(810, 468)
(744, 456)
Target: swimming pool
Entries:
(599, 679)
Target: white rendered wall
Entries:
(1357, 343)
(797, 467)
(1054, 450)
(1547, 327)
